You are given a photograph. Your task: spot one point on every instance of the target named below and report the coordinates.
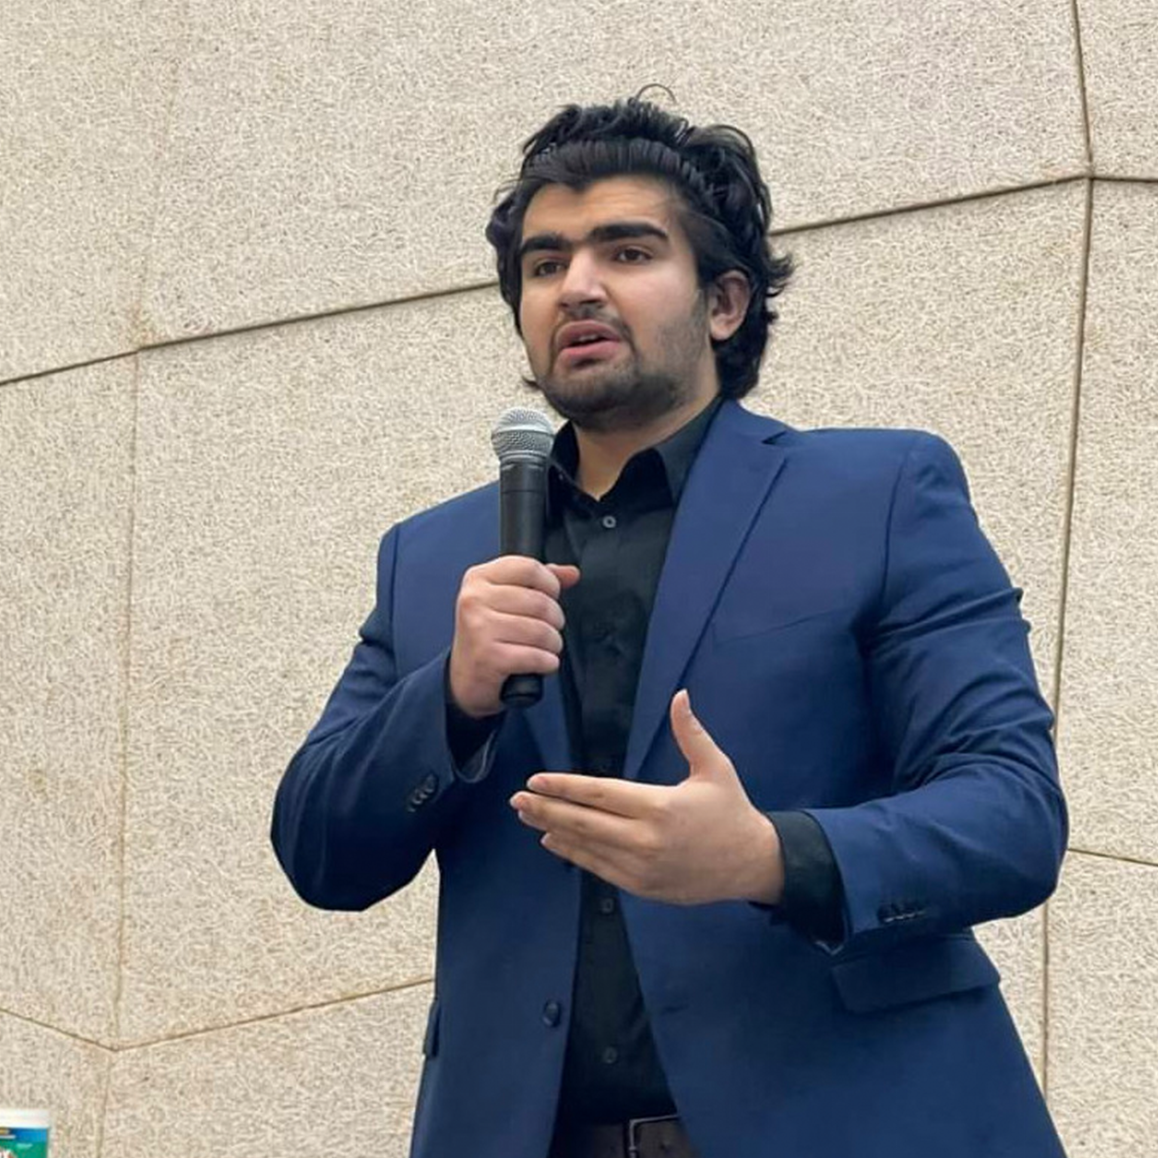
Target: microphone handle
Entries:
(522, 510)
(522, 691)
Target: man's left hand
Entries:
(687, 844)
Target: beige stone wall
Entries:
(244, 284)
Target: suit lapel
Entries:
(731, 477)
(732, 474)
(547, 722)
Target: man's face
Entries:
(642, 285)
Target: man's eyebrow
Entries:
(611, 231)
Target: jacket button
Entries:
(429, 782)
(551, 1013)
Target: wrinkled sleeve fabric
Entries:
(364, 800)
(976, 826)
(467, 736)
(813, 898)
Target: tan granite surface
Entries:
(1103, 1003)
(1108, 713)
(323, 157)
(65, 493)
(41, 1069)
(342, 1079)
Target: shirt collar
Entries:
(676, 453)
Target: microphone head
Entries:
(522, 434)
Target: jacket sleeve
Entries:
(366, 797)
(813, 898)
(976, 826)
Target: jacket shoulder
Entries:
(857, 453)
(867, 443)
(468, 507)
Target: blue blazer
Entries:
(850, 639)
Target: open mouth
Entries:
(602, 348)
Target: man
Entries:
(713, 895)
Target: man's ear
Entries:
(728, 299)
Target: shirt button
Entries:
(609, 521)
(607, 905)
(610, 1055)
(551, 1012)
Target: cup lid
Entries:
(29, 1118)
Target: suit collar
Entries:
(674, 457)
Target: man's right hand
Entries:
(507, 621)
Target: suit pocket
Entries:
(742, 623)
(430, 1039)
(912, 972)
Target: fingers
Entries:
(507, 659)
(567, 574)
(524, 631)
(527, 603)
(507, 621)
(523, 571)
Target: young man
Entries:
(732, 924)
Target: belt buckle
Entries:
(633, 1125)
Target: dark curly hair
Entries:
(722, 205)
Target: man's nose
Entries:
(583, 281)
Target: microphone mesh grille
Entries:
(522, 432)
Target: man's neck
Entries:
(603, 454)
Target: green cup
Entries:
(24, 1132)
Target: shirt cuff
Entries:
(464, 733)
(813, 898)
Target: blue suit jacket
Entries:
(850, 639)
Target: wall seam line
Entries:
(136, 328)
(1067, 544)
(1117, 857)
(936, 203)
(32, 375)
(276, 1016)
(1082, 91)
(1124, 179)
(77, 1037)
(126, 678)
(491, 283)
(104, 1110)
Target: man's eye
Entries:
(538, 268)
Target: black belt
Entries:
(636, 1138)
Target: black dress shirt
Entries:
(612, 1070)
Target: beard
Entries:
(603, 398)
(618, 393)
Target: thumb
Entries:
(698, 747)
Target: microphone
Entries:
(522, 439)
